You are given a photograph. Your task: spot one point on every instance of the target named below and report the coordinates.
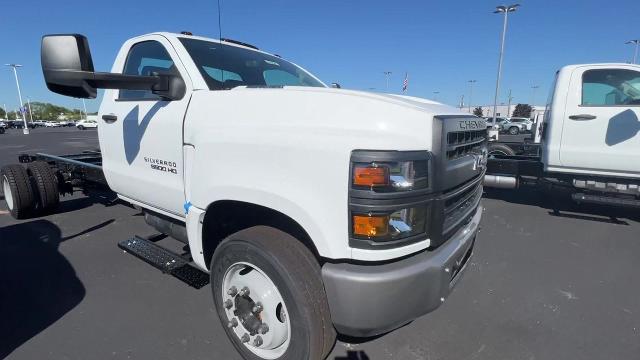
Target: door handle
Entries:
(109, 118)
(582, 117)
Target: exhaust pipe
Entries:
(500, 182)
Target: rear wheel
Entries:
(269, 296)
(514, 130)
(1, 130)
(45, 182)
(17, 190)
(499, 149)
(80, 127)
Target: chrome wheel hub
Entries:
(256, 311)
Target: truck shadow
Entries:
(38, 285)
(133, 129)
(622, 127)
(353, 355)
(560, 204)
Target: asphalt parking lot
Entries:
(542, 285)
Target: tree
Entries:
(3, 113)
(522, 110)
(477, 111)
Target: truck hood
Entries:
(345, 119)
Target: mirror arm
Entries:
(129, 82)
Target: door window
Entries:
(610, 87)
(145, 58)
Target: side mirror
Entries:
(67, 65)
(336, 86)
(68, 70)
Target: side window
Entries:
(145, 58)
(610, 87)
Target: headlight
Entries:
(390, 175)
(396, 225)
(389, 197)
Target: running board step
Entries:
(166, 261)
(605, 200)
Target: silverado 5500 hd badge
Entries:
(162, 165)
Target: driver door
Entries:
(141, 133)
(601, 125)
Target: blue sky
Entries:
(441, 44)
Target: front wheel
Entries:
(80, 127)
(269, 296)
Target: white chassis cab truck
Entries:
(589, 138)
(310, 210)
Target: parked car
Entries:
(526, 122)
(38, 123)
(513, 128)
(51, 124)
(86, 124)
(2, 127)
(499, 121)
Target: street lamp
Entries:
(502, 9)
(387, 74)
(435, 95)
(471, 82)
(533, 94)
(85, 109)
(636, 42)
(24, 118)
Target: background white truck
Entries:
(590, 142)
(309, 209)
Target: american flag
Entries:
(405, 83)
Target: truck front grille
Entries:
(462, 143)
(460, 205)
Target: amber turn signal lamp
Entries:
(370, 226)
(370, 176)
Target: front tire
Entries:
(80, 127)
(17, 190)
(283, 278)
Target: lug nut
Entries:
(264, 328)
(245, 338)
(244, 291)
(228, 303)
(233, 323)
(257, 341)
(257, 308)
(232, 291)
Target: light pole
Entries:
(509, 106)
(502, 9)
(461, 101)
(636, 42)
(85, 109)
(6, 111)
(387, 74)
(24, 118)
(533, 94)
(435, 95)
(471, 82)
(30, 113)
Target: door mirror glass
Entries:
(67, 64)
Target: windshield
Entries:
(225, 67)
